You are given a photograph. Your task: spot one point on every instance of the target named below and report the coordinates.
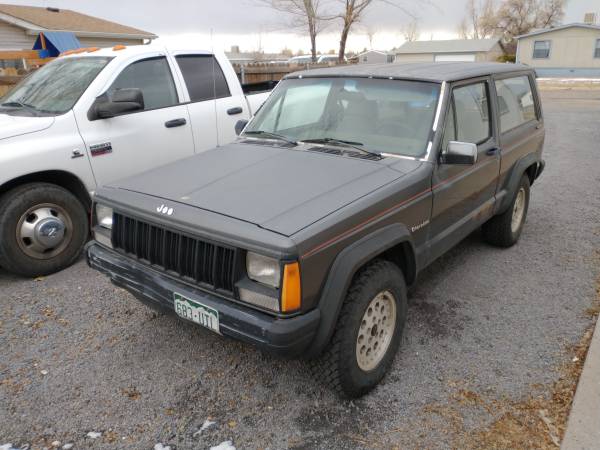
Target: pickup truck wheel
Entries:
(504, 229)
(368, 331)
(43, 228)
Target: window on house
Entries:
(597, 49)
(541, 49)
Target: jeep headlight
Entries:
(103, 225)
(263, 269)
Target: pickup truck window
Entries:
(57, 86)
(471, 113)
(391, 116)
(153, 77)
(203, 77)
(515, 102)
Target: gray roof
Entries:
(562, 27)
(434, 71)
(448, 46)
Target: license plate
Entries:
(196, 312)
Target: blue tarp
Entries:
(56, 43)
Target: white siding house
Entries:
(20, 26)
(571, 50)
(450, 50)
(375, 57)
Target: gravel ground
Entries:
(79, 355)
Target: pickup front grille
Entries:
(188, 257)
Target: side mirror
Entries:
(119, 102)
(459, 153)
(240, 125)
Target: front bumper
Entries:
(283, 337)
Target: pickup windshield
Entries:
(380, 115)
(56, 87)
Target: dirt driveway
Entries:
(489, 344)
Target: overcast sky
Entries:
(243, 23)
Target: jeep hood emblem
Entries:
(164, 209)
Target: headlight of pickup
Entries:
(103, 225)
(263, 269)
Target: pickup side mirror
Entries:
(240, 125)
(459, 153)
(119, 102)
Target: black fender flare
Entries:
(513, 180)
(345, 265)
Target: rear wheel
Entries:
(43, 228)
(504, 229)
(368, 332)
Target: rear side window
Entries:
(470, 113)
(516, 105)
(153, 77)
(203, 77)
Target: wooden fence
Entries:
(261, 72)
(28, 60)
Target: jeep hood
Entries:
(280, 189)
(11, 126)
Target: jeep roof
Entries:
(438, 71)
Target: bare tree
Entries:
(411, 31)
(353, 11)
(516, 17)
(306, 14)
(479, 21)
(371, 32)
(510, 18)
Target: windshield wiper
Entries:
(341, 142)
(18, 104)
(268, 134)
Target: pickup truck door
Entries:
(134, 142)
(464, 195)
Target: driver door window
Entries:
(153, 77)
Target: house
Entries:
(375, 57)
(450, 50)
(568, 50)
(20, 26)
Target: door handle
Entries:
(175, 123)
(234, 111)
(492, 151)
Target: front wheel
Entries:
(368, 331)
(43, 228)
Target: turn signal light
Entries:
(119, 47)
(291, 299)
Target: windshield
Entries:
(386, 116)
(57, 86)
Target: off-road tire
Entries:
(14, 203)
(498, 230)
(338, 366)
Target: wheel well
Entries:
(403, 256)
(531, 172)
(61, 178)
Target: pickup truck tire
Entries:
(43, 228)
(504, 229)
(366, 338)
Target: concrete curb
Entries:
(583, 427)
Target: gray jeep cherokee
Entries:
(303, 235)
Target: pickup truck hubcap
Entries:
(44, 231)
(518, 210)
(376, 331)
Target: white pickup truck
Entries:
(95, 116)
